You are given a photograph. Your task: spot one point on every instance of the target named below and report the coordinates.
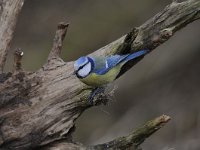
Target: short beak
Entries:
(74, 73)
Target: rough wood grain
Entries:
(58, 41)
(9, 10)
(39, 109)
(136, 138)
(17, 60)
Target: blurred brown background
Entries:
(167, 81)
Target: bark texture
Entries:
(39, 109)
(9, 10)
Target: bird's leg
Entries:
(94, 92)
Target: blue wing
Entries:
(114, 60)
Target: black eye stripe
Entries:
(81, 67)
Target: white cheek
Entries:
(85, 70)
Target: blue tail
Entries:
(131, 60)
(114, 60)
(135, 55)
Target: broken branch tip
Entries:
(63, 25)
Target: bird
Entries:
(100, 71)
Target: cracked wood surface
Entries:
(39, 109)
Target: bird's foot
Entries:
(94, 92)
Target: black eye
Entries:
(81, 67)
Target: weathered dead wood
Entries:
(58, 41)
(9, 10)
(134, 139)
(39, 109)
(17, 60)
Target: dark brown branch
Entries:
(156, 30)
(137, 137)
(17, 60)
(58, 40)
(9, 10)
(164, 24)
(40, 108)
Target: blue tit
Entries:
(99, 71)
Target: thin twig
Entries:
(17, 60)
(58, 40)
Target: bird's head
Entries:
(83, 66)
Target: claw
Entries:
(94, 92)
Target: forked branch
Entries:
(156, 30)
(39, 109)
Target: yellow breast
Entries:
(96, 80)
